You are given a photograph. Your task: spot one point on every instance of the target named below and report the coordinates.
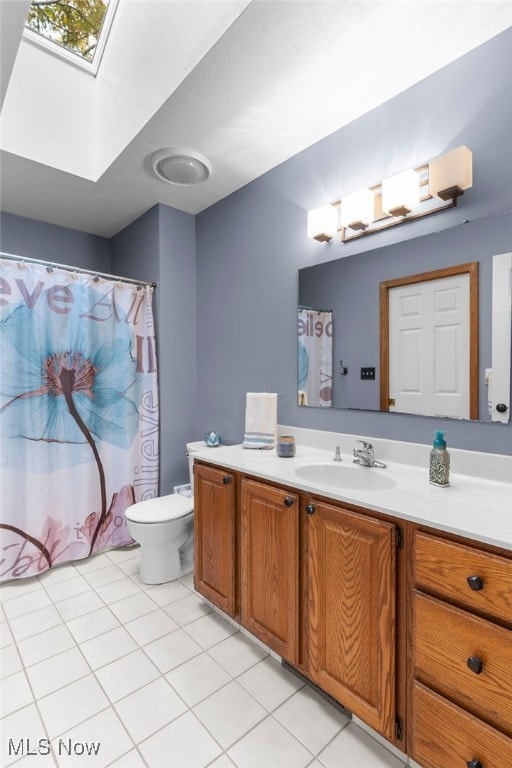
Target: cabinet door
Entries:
(351, 610)
(269, 566)
(214, 536)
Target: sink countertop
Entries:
(476, 508)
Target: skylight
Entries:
(76, 30)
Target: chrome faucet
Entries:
(365, 456)
(337, 454)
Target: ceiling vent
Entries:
(181, 167)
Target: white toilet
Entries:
(164, 528)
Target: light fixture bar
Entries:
(433, 187)
(426, 207)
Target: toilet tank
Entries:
(192, 448)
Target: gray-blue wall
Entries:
(228, 279)
(177, 345)
(251, 245)
(160, 247)
(38, 240)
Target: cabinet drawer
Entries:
(445, 736)
(445, 640)
(478, 580)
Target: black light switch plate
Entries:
(368, 373)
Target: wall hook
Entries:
(344, 369)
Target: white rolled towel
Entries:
(260, 420)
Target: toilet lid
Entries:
(160, 509)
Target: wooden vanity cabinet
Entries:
(313, 580)
(324, 585)
(215, 557)
(461, 689)
(269, 565)
(350, 623)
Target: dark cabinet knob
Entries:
(226, 480)
(474, 764)
(475, 664)
(502, 408)
(289, 501)
(475, 582)
(310, 509)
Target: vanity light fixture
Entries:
(406, 196)
(323, 223)
(450, 174)
(401, 193)
(358, 209)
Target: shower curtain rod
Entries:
(313, 309)
(55, 265)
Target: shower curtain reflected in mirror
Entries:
(79, 419)
(314, 357)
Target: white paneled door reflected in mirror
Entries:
(429, 343)
(421, 327)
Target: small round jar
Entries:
(285, 447)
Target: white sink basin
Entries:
(346, 476)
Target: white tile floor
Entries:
(156, 678)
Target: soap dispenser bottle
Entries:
(439, 460)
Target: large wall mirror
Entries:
(358, 320)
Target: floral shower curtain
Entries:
(314, 333)
(79, 419)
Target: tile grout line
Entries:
(110, 705)
(161, 675)
(35, 702)
(91, 671)
(191, 708)
(269, 712)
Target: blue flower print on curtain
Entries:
(64, 385)
(71, 389)
(303, 366)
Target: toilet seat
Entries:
(160, 510)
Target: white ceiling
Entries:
(248, 84)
